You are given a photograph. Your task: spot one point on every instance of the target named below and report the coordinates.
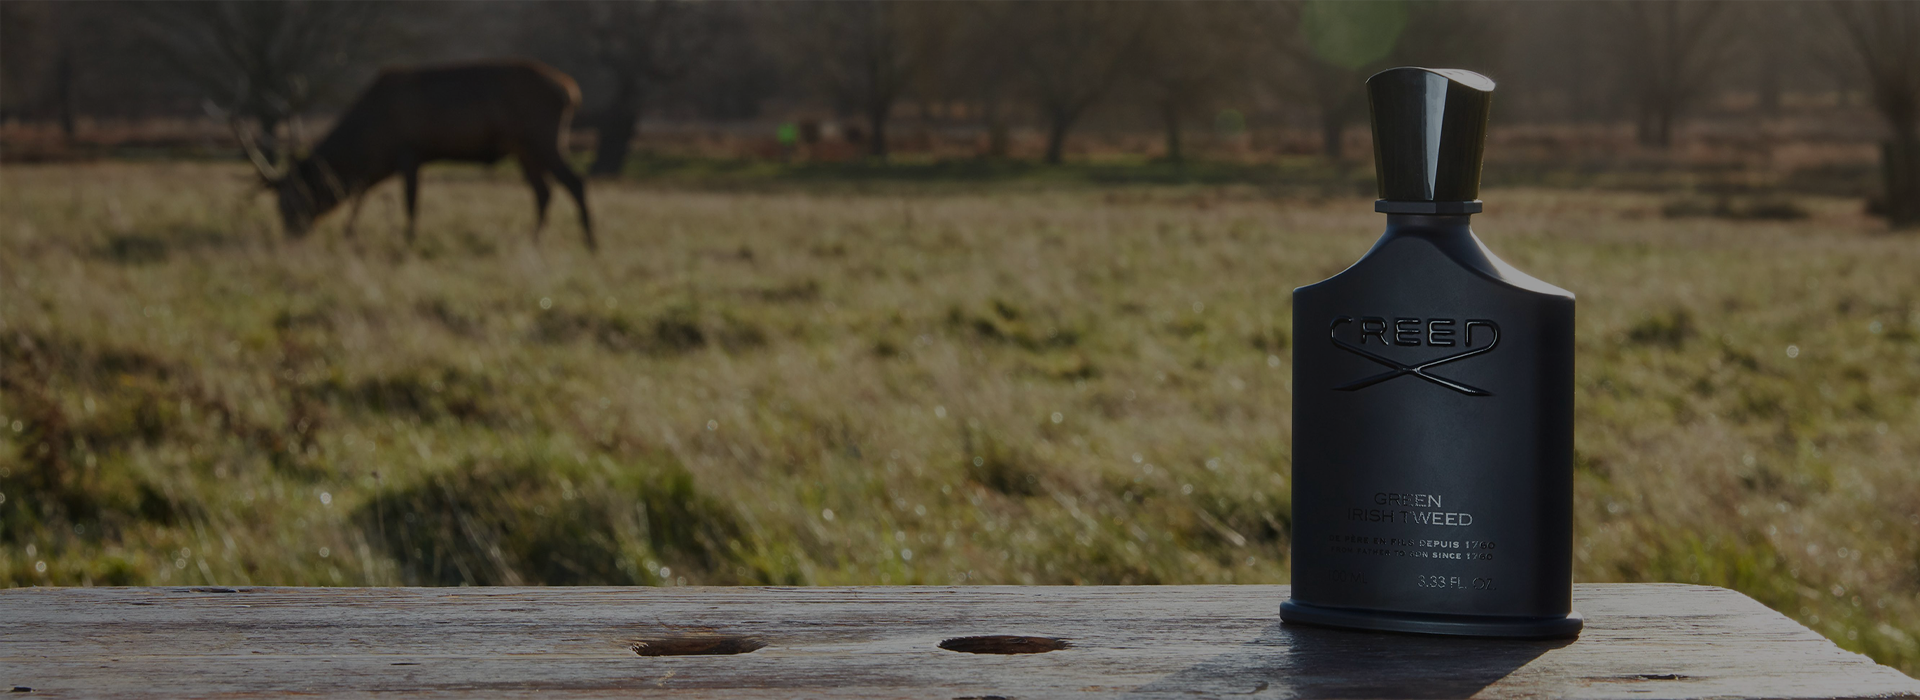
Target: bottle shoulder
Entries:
(1422, 254)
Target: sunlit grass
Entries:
(991, 383)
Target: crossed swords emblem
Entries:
(1419, 370)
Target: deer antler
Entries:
(268, 172)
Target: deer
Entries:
(411, 116)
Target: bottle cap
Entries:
(1429, 128)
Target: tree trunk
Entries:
(1655, 126)
(877, 117)
(63, 93)
(1770, 83)
(1900, 165)
(1170, 114)
(1057, 138)
(998, 135)
(1333, 131)
(614, 137)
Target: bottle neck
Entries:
(1429, 221)
(1430, 224)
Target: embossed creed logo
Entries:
(1413, 332)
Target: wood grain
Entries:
(1641, 641)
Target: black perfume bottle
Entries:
(1432, 402)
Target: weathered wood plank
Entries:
(1641, 641)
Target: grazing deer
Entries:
(479, 112)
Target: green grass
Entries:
(936, 383)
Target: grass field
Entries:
(973, 383)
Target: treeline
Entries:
(1053, 67)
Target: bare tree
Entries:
(866, 54)
(1769, 40)
(1670, 50)
(1327, 50)
(41, 46)
(637, 46)
(1578, 56)
(1886, 38)
(1072, 55)
(31, 49)
(1833, 58)
(980, 69)
(1194, 54)
(265, 62)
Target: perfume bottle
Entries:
(1432, 402)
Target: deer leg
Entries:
(542, 194)
(411, 176)
(558, 166)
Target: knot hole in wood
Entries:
(695, 645)
(1004, 644)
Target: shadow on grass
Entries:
(147, 247)
(534, 522)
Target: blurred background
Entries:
(930, 293)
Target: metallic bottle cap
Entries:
(1429, 128)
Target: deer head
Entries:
(302, 187)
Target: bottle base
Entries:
(1293, 611)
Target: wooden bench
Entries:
(1641, 641)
